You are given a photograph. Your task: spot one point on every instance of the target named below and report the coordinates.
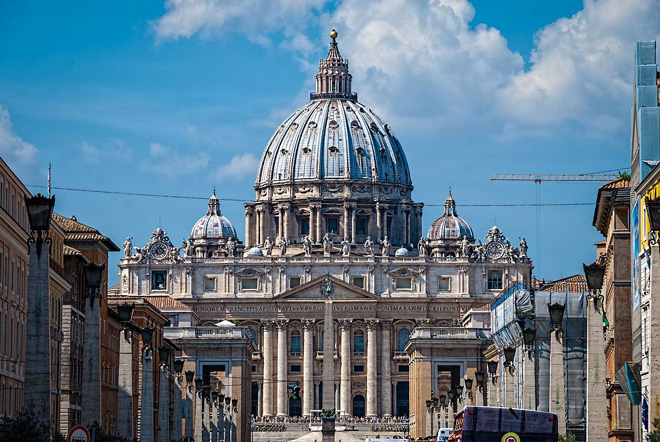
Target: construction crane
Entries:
(539, 178)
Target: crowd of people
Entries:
(397, 420)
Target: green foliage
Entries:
(26, 427)
(654, 436)
(624, 175)
(569, 437)
(100, 436)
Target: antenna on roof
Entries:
(49, 172)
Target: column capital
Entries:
(267, 323)
(282, 324)
(345, 323)
(386, 323)
(371, 323)
(308, 324)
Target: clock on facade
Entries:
(495, 249)
(159, 250)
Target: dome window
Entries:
(312, 125)
(355, 124)
(333, 125)
(333, 150)
(294, 126)
(284, 151)
(306, 150)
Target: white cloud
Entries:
(255, 18)
(90, 153)
(241, 166)
(167, 162)
(582, 66)
(13, 149)
(112, 148)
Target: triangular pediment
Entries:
(313, 291)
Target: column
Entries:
(281, 223)
(328, 357)
(178, 411)
(282, 394)
(312, 235)
(353, 229)
(267, 349)
(386, 371)
(308, 367)
(596, 397)
(346, 224)
(395, 412)
(146, 410)
(345, 375)
(258, 227)
(509, 387)
(91, 380)
(407, 216)
(287, 225)
(163, 408)
(260, 399)
(125, 392)
(379, 224)
(213, 422)
(206, 421)
(189, 414)
(529, 381)
(221, 423)
(319, 222)
(372, 375)
(557, 382)
(248, 236)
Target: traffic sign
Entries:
(79, 433)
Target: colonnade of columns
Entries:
(275, 383)
(261, 224)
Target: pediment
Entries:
(313, 291)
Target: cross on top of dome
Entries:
(333, 79)
(214, 205)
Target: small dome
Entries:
(402, 252)
(225, 324)
(213, 224)
(450, 226)
(255, 251)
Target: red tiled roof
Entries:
(165, 302)
(616, 184)
(77, 231)
(70, 251)
(575, 283)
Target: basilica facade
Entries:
(333, 226)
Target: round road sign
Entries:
(79, 433)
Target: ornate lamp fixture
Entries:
(93, 277)
(529, 337)
(594, 273)
(147, 337)
(653, 213)
(509, 356)
(468, 387)
(214, 397)
(163, 356)
(125, 311)
(556, 311)
(178, 368)
(479, 377)
(492, 370)
(198, 385)
(40, 210)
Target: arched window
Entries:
(359, 406)
(358, 342)
(402, 338)
(295, 341)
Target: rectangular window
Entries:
(444, 283)
(404, 283)
(173, 320)
(294, 281)
(358, 369)
(304, 226)
(295, 344)
(254, 369)
(158, 280)
(332, 225)
(358, 343)
(358, 281)
(249, 283)
(361, 226)
(494, 280)
(404, 368)
(209, 284)
(1, 261)
(295, 368)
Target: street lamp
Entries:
(431, 408)
(492, 370)
(594, 273)
(178, 368)
(459, 392)
(556, 311)
(125, 311)
(147, 337)
(163, 355)
(443, 405)
(509, 356)
(468, 387)
(40, 210)
(93, 277)
(479, 377)
(529, 337)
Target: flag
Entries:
(645, 414)
(605, 321)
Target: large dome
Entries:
(213, 224)
(450, 226)
(333, 137)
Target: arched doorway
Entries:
(295, 407)
(359, 406)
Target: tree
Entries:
(26, 427)
(101, 436)
(569, 437)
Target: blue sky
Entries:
(175, 97)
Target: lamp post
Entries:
(557, 381)
(147, 412)
(443, 405)
(38, 365)
(597, 420)
(432, 408)
(125, 393)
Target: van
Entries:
(443, 434)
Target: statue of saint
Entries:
(346, 247)
(327, 243)
(268, 244)
(421, 246)
(369, 246)
(282, 245)
(386, 247)
(307, 246)
(465, 247)
(523, 248)
(128, 248)
(231, 246)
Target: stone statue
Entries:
(128, 248)
(187, 247)
(231, 246)
(421, 246)
(523, 248)
(386, 247)
(465, 247)
(268, 244)
(282, 245)
(369, 246)
(176, 254)
(140, 255)
(346, 247)
(307, 246)
(327, 243)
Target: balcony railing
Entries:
(400, 355)
(450, 333)
(205, 333)
(319, 355)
